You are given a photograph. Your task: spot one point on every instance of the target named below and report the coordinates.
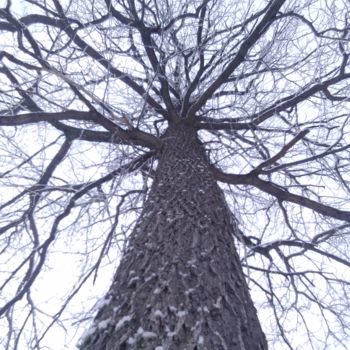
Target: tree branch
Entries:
(259, 30)
(280, 193)
(281, 153)
(133, 136)
(279, 106)
(64, 24)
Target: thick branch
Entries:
(278, 106)
(280, 193)
(281, 153)
(36, 117)
(133, 136)
(260, 29)
(283, 195)
(304, 245)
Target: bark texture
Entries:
(179, 285)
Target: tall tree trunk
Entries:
(179, 285)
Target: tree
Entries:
(119, 122)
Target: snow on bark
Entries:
(180, 284)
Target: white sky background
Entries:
(63, 266)
(64, 261)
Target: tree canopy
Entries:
(88, 88)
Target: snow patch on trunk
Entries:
(124, 320)
(141, 334)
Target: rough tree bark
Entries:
(179, 285)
